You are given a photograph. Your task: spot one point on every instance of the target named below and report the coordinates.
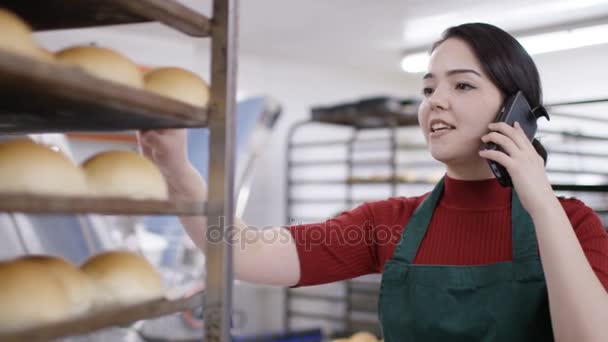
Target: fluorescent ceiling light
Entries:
(416, 62)
(564, 40)
(535, 45)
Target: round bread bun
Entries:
(17, 36)
(76, 283)
(30, 294)
(102, 63)
(124, 174)
(46, 55)
(178, 84)
(363, 336)
(29, 167)
(122, 278)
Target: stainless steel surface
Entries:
(218, 300)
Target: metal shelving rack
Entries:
(386, 114)
(362, 297)
(581, 110)
(43, 97)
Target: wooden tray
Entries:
(64, 14)
(43, 204)
(105, 319)
(41, 97)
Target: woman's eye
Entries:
(427, 91)
(464, 86)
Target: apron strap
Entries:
(523, 233)
(416, 227)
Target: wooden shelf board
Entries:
(105, 319)
(45, 204)
(66, 14)
(41, 97)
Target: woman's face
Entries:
(459, 102)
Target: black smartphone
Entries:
(515, 108)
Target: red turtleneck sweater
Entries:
(470, 226)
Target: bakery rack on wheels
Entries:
(580, 137)
(39, 97)
(336, 146)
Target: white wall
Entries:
(574, 74)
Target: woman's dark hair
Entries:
(504, 60)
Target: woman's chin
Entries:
(442, 156)
(449, 157)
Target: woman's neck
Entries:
(471, 170)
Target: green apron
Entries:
(506, 301)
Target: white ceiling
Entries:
(373, 34)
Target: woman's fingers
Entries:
(501, 140)
(498, 157)
(145, 145)
(516, 134)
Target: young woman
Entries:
(469, 261)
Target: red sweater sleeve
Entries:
(352, 244)
(591, 235)
(337, 249)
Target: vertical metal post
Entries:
(349, 172)
(289, 219)
(350, 202)
(222, 110)
(393, 158)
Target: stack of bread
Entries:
(37, 290)
(172, 82)
(33, 168)
(104, 63)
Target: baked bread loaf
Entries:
(122, 278)
(124, 174)
(29, 167)
(30, 294)
(102, 63)
(178, 84)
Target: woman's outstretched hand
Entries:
(523, 163)
(168, 149)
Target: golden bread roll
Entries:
(30, 294)
(178, 84)
(16, 36)
(124, 174)
(363, 336)
(76, 283)
(102, 63)
(122, 278)
(29, 167)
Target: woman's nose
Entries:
(439, 99)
